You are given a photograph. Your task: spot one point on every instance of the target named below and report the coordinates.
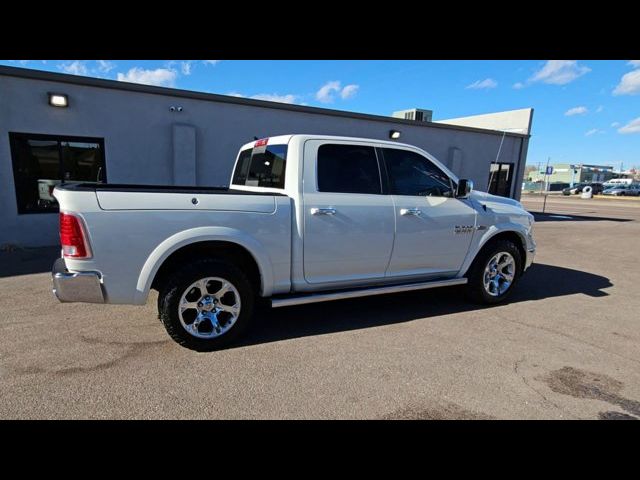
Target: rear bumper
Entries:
(76, 286)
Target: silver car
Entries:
(632, 190)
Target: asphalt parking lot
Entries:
(566, 346)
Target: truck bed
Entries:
(133, 228)
(125, 187)
(169, 197)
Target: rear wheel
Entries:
(206, 305)
(494, 272)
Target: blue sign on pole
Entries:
(549, 170)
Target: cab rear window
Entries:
(262, 166)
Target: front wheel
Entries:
(206, 305)
(494, 272)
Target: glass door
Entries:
(500, 177)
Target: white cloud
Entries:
(632, 127)
(576, 111)
(161, 76)
(349, 91)
(559, 72)
(629, 84)
(518, 85)
(274, 97)
(600, 108)
(234, 94)
(186, 68)
(210, 62)
(480, 84)
(325, 94)
(329, 90)
(593, 131)
(615, 124)
(634, 63)
(105, 66)
(75, 68)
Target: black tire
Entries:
(178, 282)
(475, 275)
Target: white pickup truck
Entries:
(307, 218)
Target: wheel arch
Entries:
(206, 242)
(513, 235)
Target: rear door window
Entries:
(348, 169)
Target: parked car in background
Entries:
(614, 182)
(597, 188)
(632, 190)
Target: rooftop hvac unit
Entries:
(415, 114)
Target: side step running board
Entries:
(326, 297)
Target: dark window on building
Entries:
(348, 169)
(40, 162)
(413, 174)
(500, 177)
(261, 167)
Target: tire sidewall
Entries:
(171, 294)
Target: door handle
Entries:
(410, 211)
(323, 211)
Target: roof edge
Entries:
(214, 97)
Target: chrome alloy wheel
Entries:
(209, 307)
(499, 274)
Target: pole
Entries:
(546, 169)
(573, 175)
(542, 182)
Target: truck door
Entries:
(433, 229)
(348, 222)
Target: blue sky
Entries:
(585, 111)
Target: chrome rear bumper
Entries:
(76, 286)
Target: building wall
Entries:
(146, 143)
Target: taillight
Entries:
(72, 237)
(261, 143)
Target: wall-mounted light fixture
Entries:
(394, 134)
(175, 109)
(58, 100)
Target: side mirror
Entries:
(465, 187)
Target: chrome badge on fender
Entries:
(463, 229)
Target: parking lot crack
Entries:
(516, 367)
